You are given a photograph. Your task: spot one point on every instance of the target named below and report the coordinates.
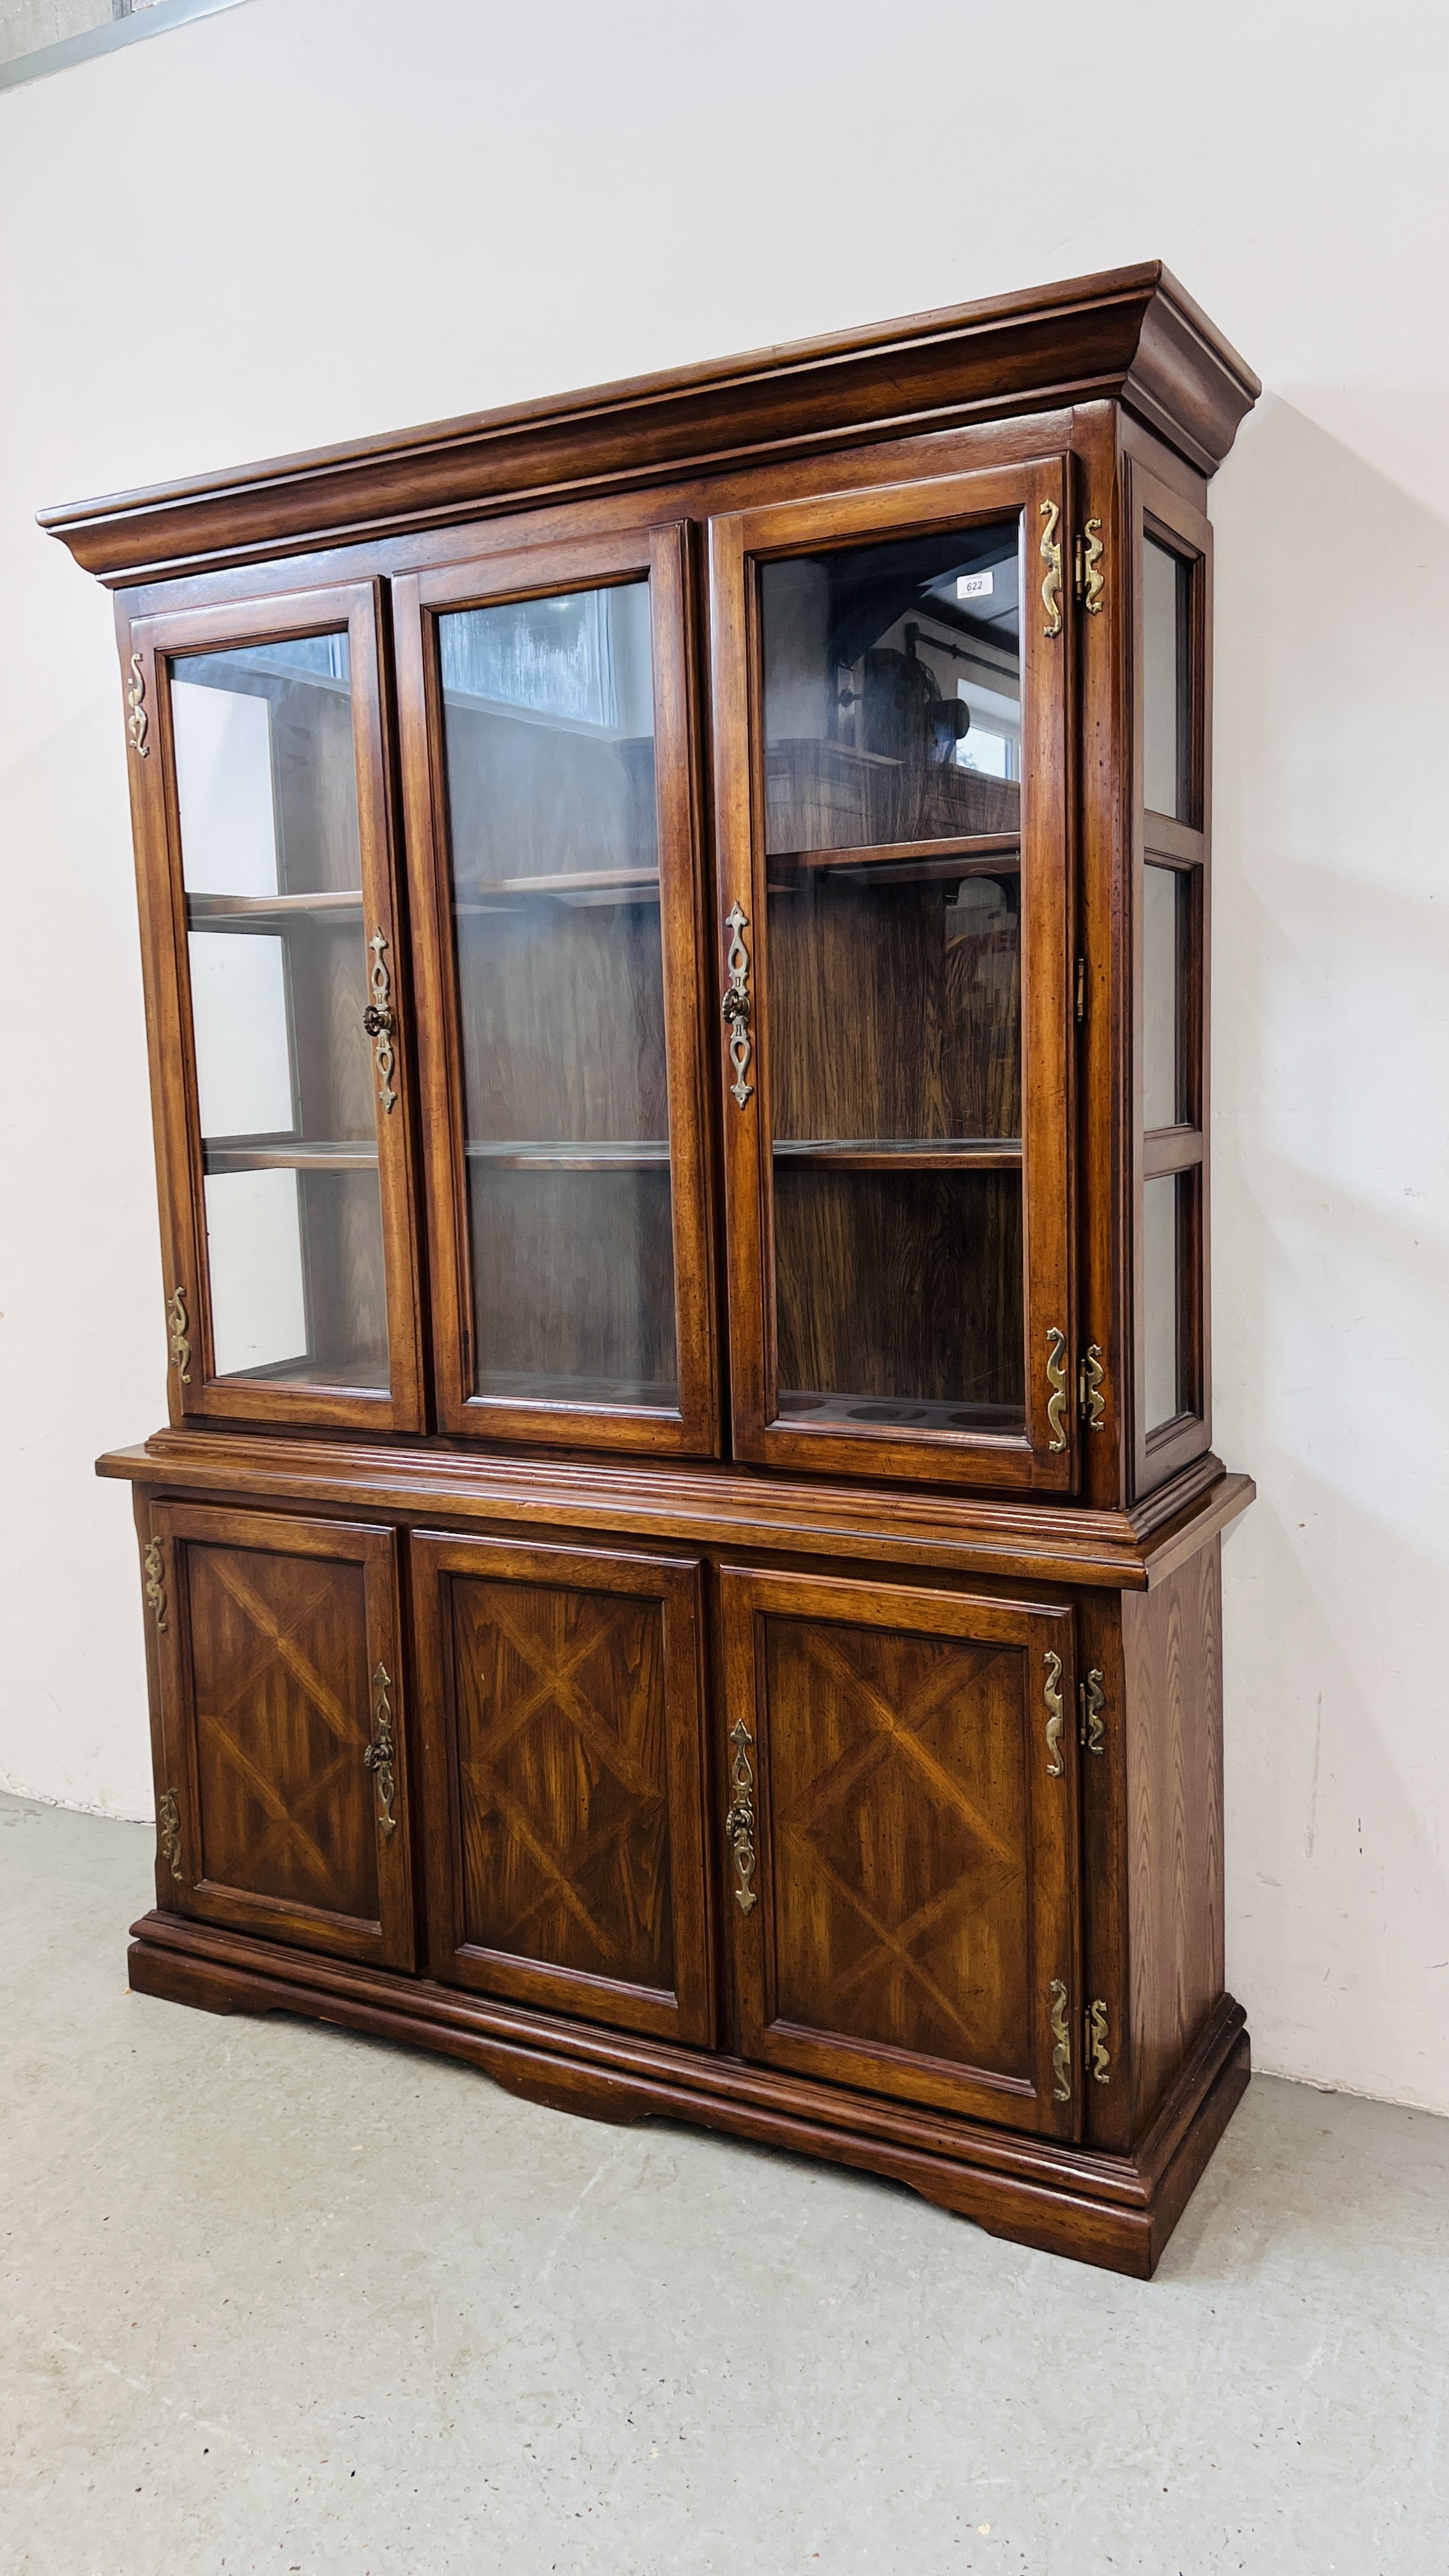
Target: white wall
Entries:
(308, 219)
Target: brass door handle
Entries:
(379, 1021)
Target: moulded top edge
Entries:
(1130, 332)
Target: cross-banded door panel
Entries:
(901, 1839)
(284, 1807)
(561, 1698)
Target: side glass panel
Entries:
(892, 686)
(266, 786)
(1166, 682)
(548, 716)
(1170, 1288)
(1166, 896)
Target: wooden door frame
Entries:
(686, 2012)
(739, 540)
(176, 1526)
(484, 577)
(147, 644)
(748, 1596)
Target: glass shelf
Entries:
(262, 912)
(580, 885)
(262, 1154)
(570, 1156)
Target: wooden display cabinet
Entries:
(684, 1565)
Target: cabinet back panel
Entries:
(896, 1012)
(899, 1287)
(573, 1284)
(562, 1021)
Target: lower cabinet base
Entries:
(1114, 2211)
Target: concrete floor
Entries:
(280, 2299)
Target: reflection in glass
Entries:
(266, 784)
(1166, 894)
(1162, 1300)
(893, 691)
(548, 713)
(1166, 682)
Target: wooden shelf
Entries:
(260, 1154)
(253, 912)
(976, 853)
(903, 1154)
(600, 1155)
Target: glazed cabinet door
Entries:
(891, 764)
(283, 1808)
(561, 1699)
(552, 823)
(901, 1831)
(274, 962)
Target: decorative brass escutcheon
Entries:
(1056, 1369)
(168, 1827)
(1051, 555)
(740, 1822)
(155, 1563)
(378, 1020)
(1090, 1696)
(179, 1328)
(138, 723)
(1062, 2052)
(1052, 1694)
(378, 1759)
(735, 1007)
(1097, 2057)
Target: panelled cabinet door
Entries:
(284, 1806)
(891, 748)
(551, 798)
(901, 1833)
(561, 1696)
(276, 975)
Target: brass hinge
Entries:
(156, 1582)
(1062, 2037)
(138, 723)
(1056, 1369)
(1052, 1694)
(1091, 587)
(1098, 2060)
(1090, 1703)
(179, 1327)
(168, 1828)
(1091, 1376)
(1081, 991)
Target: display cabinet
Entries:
(683, 1568)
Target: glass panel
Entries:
(895, 1078)
(1161, 1300)
(548, 714)
(1166, 681)
(267, 789)
(1166, 896)
(893, 691)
